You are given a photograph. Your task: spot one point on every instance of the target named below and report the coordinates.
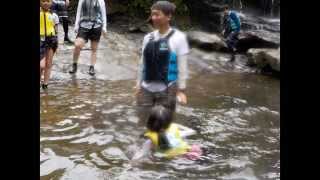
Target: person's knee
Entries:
(78, 44)
(94, 50)
(42, 64)
(48, 65)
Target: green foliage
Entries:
(142, 7)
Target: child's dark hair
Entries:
(226, 7)
(168, 8)
(159, 120)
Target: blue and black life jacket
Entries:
(160, 62)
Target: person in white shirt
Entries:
(162, 71)
(91, 21)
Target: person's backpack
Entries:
(234, 21)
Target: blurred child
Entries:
(48, 39)
(166, 137)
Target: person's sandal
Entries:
(68, 41)
(91, 70)
(74, 68)
(44, 86)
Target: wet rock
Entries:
(247, 40)
(206, 41)
(251, 22)
(257, 39)
(265, 57)
(211, 19)
(202, 62)
(138, 26)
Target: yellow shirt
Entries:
(47, 24)
(178, 146)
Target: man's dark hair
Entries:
(166, 7)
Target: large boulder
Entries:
(258, 39)
(206, 41)
(247, 40)
(253, 22)
(140, 26)
(265, 58)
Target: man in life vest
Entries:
(162, 71)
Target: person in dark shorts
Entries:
(91, 22)
(163, 66)
(48, 39)
(60, 7)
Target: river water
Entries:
(89, 128)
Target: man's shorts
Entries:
(93, 34)
(146, 100)
(48, 43)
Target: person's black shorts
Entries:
(93, 34)
(48, 43)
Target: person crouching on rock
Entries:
(231, 29)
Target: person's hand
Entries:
(104, 33)
(222, 33)
(67, 3)
(137, 90)
(181, 97)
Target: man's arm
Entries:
(56, 22)
(140, 63)
(77, 22)
(183, 71)
(104, 16)
(182, 55)
(139, 73)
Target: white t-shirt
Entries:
(55, 18)
(178, 43)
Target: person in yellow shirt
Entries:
(48, 39)
(166, 137)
